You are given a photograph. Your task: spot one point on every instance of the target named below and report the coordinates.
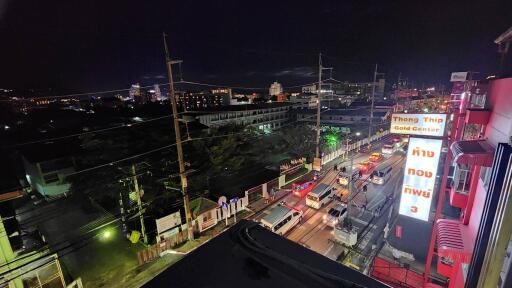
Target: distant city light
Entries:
(358, 133)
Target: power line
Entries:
(182, 82)
(87, 132)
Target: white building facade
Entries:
(275, 89)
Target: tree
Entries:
(224, 154)
(299, 140)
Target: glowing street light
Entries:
(106, 235)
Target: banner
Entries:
(419, 177)
(418, 124)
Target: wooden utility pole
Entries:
(179, 148)
(139, 205)
(318, 106)
(371, 107)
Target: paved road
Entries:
(317, 236)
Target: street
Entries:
(369, 221)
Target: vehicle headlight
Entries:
(336, 222)
(324, 217)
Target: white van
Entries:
(343, 177)
(281, 219)
(320, 195)
(381, 174)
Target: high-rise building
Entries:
(134, 91)
(157, 92)
(275, 89)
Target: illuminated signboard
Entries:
(419, 177)
(418, 124)
(458, 76)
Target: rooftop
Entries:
(247, 255)
(344, 112)
(244, 107)
(201, 205)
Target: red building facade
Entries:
(482, 119)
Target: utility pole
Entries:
(318, 106)
(179, 148)
(139, 204)
(371, 108)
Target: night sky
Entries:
(94, 45)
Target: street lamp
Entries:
(358, 133)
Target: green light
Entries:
(331, 140)
(106, 235)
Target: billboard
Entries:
(418, 124)
(458, 76)
(168, 222)
(419, 177)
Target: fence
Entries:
(154, 251)
(395, 274)
(342, 149)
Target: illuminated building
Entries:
(134, 91)
(262, 116)
(193, 101)
(275, 89)
(281, 98)
(347, 90)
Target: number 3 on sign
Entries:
(414, 209)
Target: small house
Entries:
(204, 213)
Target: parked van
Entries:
(320, 195)
(382, 174)
(282, 219)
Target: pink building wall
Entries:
(500, 102)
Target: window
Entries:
(325, 194)
(485, 175)
(462, 178)
(50, 178)
(207, 216)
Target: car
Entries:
(388, 148)
(375, 157)
(301, 189)
(365, 166)
(396, 139)
(365, 149)
(335, 215)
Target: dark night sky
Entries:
(94, 45)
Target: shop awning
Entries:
(453, 240)
(473, 152)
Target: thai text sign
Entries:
(418, 124)
(419, 177)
